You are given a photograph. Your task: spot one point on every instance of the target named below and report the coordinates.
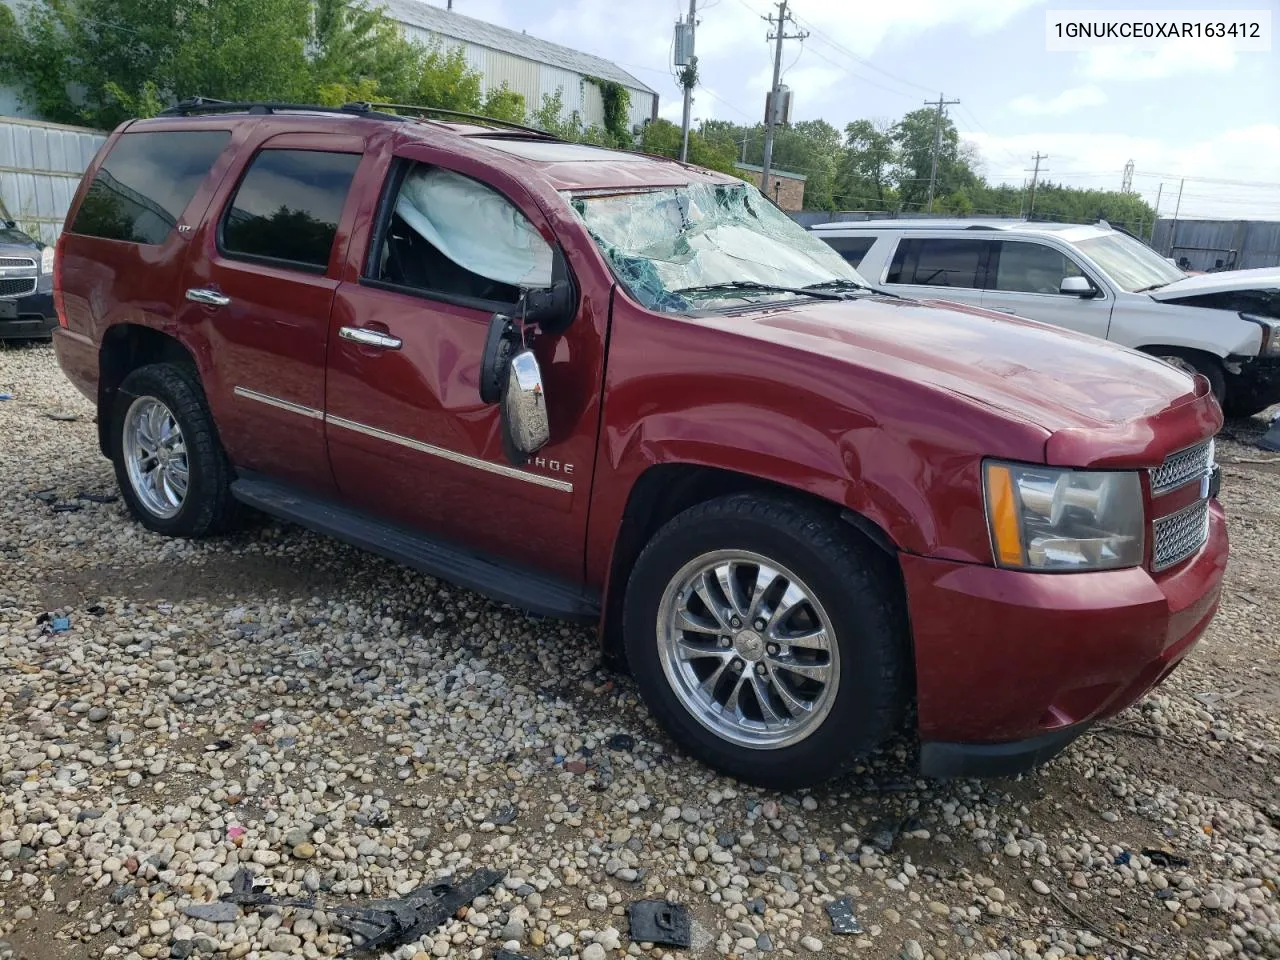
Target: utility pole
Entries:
(781, 23)
(1156, 218)
(1173, 227)
(1178, 207)
(937, 142)
(687, 76)
(1035, 177)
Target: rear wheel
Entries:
(169, 464)
(767, 640)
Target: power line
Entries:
(866, 63)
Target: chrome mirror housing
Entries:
(524, 405)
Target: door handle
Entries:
(210, 298)
(370, 338)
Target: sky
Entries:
(1198, 112)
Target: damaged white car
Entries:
(1090, 278)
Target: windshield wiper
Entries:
(759, 288)
(851, 285)
(1154, 286)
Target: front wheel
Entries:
(767, 640)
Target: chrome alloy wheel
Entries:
(155, 457)
(748, 649)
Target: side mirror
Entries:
(551, 308)
(1078, 287)
(510, 377)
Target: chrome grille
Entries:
(17, 286)
(1182, 467)
(1180, 534)
(17, 262)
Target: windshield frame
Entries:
(824, 264)
(1120, 247)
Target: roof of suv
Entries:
(566, 165)
(1077, 231)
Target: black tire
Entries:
(1204, 363)
(1247, 398)
(208, 507)
(851, 581)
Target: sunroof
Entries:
(554, 152)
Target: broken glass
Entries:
(703, 245)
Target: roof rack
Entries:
(428, 112)
(199, 105)
(403, 112)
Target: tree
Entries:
(662, 138)
(866, 168)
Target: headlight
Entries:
(1047, 518)
(46, 260)
(1270, 334)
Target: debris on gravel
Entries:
(346, 730)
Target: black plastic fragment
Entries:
(1163, 858)
(218, 746)
(622, 742)
(842, 919)
(505, 816)
(657, 921)
(70, 507)
(46, 496)
(380, 924)
(97, 497)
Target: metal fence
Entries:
(40, 168)
(1220, 244)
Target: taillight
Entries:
(59, 305)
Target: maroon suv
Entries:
(620, 389)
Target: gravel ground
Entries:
(343, 725)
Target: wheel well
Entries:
(1160, 350)
(665, 490)
(125, 348)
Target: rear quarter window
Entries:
(144, 185)
(853, 249)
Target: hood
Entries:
(10, 237)
(1042, 375)
(1266, 278)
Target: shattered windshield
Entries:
(710, 246)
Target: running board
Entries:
(497, 579)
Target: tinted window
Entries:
(288, 205)
(1031, 268)
(938, 263)
(457, 237)
(852, 249)
(145, 184)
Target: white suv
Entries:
(1089, 278)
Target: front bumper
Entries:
(31, 317)
(1011, 666)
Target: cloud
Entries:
(1118, 63)
(1068, 101)
(1243, 155)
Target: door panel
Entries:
(1023, 280)
(409, 438)
(263, 289)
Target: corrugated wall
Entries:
(1239, 244)
(40, 168)
(534, 80)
